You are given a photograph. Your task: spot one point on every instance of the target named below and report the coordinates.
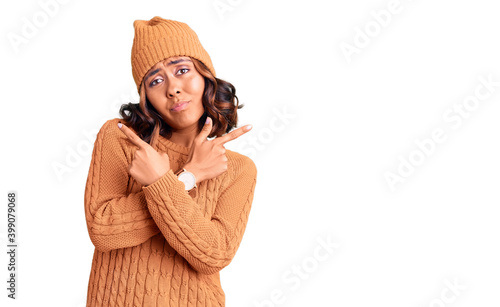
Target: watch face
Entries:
(188, 179)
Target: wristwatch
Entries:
(188, 178)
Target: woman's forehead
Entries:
(172, 60)
(166, 63)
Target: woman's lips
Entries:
(179, 106)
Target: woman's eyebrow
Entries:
(178, 61)
(154, 72)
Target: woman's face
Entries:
(175, 88)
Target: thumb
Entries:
(205, 131)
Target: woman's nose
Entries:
(171, 94)
(173, 89)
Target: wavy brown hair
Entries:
(219, 102)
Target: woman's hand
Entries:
(207, 159)
(148, 165)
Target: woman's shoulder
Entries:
(111, 133)
(239, 163)
(112, 124)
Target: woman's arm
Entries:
(115, 219)
(207, 243)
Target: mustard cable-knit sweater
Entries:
(159, 245)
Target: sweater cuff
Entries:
(165, 183)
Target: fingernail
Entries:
(119, 125)
(248, 127)
(208, 120)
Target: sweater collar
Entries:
(183, 150)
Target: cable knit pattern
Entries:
(159, 245)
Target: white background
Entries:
(321, 167)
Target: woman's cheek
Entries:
(200, 85)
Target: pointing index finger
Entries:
(134, 138)
(233, 134)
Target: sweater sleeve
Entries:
(207, 243)
(115, 218)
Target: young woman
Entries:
(166, 204)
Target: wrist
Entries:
(195, 171)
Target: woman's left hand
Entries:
(148, 165)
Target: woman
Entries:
(166, 208)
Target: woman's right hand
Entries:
(207, 158)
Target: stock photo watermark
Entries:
(293, 278)
(363, 35)
(453, 116)
(449, 294)
(12, 245)
(75, 154)
(221, 7)
(259, 140)
(81, 303)
(253, 143)
(31, 26)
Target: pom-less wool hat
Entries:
(158, 39)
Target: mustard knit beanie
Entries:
(158, 39)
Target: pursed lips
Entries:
(181, 105)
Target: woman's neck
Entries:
(184, 137)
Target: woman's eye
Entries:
(154, 82)
(183, 70)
